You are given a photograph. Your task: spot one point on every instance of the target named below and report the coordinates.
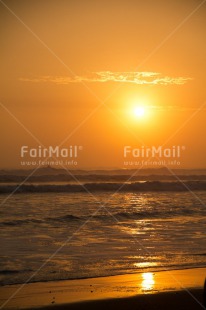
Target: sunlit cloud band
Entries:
(139, 78)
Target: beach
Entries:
(180, 289)
(103, 155)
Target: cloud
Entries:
(138, 78)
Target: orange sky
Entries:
(78, 69)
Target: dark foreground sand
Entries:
(175, 289)
(160, 301)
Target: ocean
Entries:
(49, 234)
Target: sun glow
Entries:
(139, 111)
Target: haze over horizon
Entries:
(102, 76)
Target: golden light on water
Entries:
(147, 281)
(145, 264)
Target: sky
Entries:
(103, 75)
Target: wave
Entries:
(21, 222)
(120, 216)
(13, 271)
(95, 187)
(7, 271)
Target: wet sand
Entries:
(176, 289)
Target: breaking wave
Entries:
(95, 187)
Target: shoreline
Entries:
(110, 289)
(108, 276)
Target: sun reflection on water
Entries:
(147, 281)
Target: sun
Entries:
(139, 111)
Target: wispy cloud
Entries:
(139, 78)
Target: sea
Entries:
(54, 231)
